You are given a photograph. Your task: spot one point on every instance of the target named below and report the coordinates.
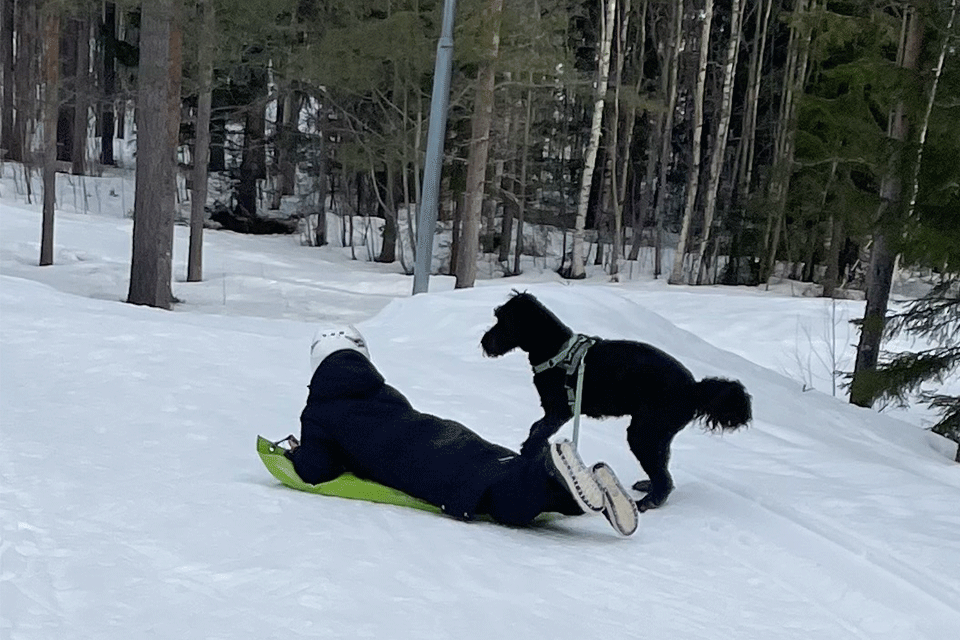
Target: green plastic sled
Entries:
(346, 485)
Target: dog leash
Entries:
(571, 358)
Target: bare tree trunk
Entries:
(28, 45)
(455, 232)
(411, 227)
(616, 198)
(720, 141)
(286, 127)
(648, 189)
(782, 169)
(931, 97)
(834, 238)
(693, 180)
(749, 136)
(505, 177)
(522, 190)
(109, 77)
(882, 257)
(253, 162)
(81, 99)
(466, 270)
(158, 121)
(201, 146)
(6, 71)
(388, 247)
(638, 219)
(672, 90)
(589, 162)
(51, 105)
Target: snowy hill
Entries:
(133, 503)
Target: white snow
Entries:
(132, 502)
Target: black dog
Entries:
(622, 378)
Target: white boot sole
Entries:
(579, 480)
(618, 507)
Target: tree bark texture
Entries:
(720, 140)
(577, 269)
(672, 91)
(616, 182)
(693, 177)
(466, 269)
(931, 98)
(749, 136)
(892, 210)
(7, 83)
(201, 146)
(81, 97)
(29, 43)
(158, 123)
(522, 184)
(782, 168)
(51, 104)
(108, 29)
(626, 162)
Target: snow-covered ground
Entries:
(132, 502)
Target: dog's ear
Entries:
(522, 294)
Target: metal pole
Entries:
(430, 196)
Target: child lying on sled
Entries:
(355, 422)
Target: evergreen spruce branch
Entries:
(935, 316)
(901, 376)
(949, 409)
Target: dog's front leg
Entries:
(540, 432)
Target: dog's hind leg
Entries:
(649, 439)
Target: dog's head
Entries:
(521, 323)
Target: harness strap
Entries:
(571, 359)
(563, 353)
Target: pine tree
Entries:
(929, 237)
(936, 318)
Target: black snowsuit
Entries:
(355, 422)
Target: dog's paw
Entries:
(648, 502)
(643, 486)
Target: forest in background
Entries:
(816, 139)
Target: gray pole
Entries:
(430, 196)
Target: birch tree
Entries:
(928, 109)
(672, 90)
(749, 136)
(693, 179)
(586, 180)
(720, 140)
(782, 167)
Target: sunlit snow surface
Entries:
(132, 503)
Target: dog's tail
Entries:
(723, 404)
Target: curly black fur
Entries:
(622, 378)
